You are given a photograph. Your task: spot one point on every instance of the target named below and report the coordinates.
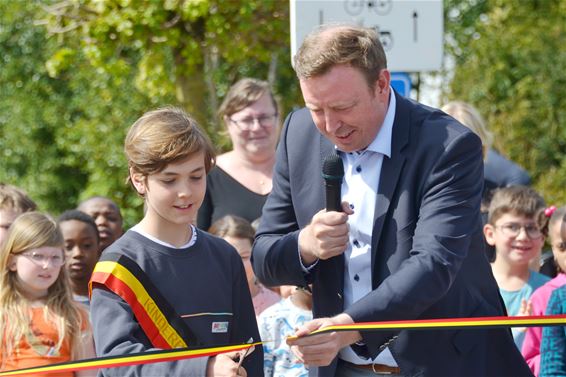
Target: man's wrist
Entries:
(307, 257)
(349, 337)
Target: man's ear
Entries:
(138, 180)
(489, 234)
(382, 84)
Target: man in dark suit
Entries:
(408, 244)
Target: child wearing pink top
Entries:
(539, 299)
(239, 233)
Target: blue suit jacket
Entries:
(427, 248)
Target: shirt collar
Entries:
(382, 142)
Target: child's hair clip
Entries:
(549, 211)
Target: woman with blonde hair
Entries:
(40, 324)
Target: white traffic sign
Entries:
(411, 31)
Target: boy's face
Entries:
(517, 239)
(81, 249)
(174, 195)
(107, 219)
(7, 217)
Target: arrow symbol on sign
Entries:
(415, 17)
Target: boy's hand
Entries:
(225, 365)
(526, 309)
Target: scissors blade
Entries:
(246, 352)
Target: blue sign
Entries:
(401, 82)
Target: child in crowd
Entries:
(239, 233)
(553, 345)
(106, 215)
(196, 280)
(13, 202)
(539, 299)
(514, 228)
(278, 322)
(82, 249)
(39, 322)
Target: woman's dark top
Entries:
(226, 196)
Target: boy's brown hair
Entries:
(163, 136)
(15, 199)
(516, 200)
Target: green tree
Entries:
(511, 64)
(76, 74)
(62, 121)
(195, 49)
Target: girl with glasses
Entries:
(39, 322)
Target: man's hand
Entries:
(320, 350)
(326, 236)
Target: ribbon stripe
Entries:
(186, 353)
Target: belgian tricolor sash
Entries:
(164, 328)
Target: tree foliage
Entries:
(511, 64)
(76, 74)
(195, 49)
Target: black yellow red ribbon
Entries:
(185, 353)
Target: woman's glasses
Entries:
(246, 124)
(42, 260)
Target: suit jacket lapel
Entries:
(390, 172)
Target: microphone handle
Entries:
(333, 195)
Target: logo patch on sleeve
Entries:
(219, 327)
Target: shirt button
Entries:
(358, 168)
(356, 243)
(356, 277)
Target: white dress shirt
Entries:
(362, 170)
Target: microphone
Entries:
(333, 173)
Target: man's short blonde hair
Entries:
(349, 45)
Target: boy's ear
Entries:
(138, 180)
(489, 234)
(12, 263)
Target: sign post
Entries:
(411, 31)
(401, 82)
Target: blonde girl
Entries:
(39, 322)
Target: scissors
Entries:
(246, 352)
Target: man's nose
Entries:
(100, 220)
(332, 123)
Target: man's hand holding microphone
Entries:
(327, 234)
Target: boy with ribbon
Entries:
(166, 284)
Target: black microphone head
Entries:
(332, 167)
